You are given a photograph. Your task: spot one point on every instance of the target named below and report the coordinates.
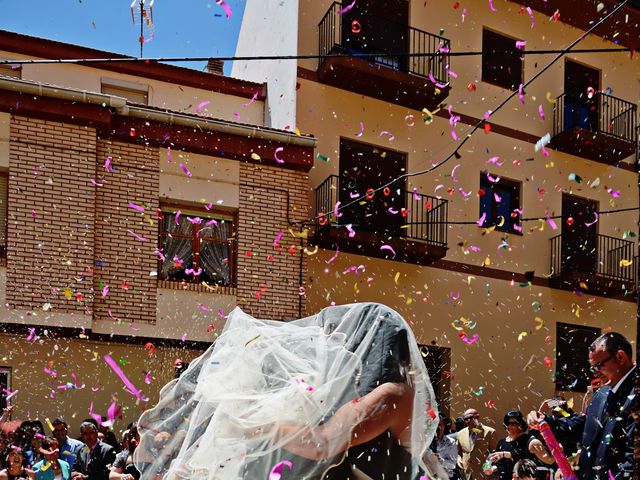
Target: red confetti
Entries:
(151, 348)
(547, 362)
(487, 128)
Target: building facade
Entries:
(502, 257)
(142, 203)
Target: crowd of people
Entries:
(597, 440)
(28, 453)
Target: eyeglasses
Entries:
(598, 366)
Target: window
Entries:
(134, 92)
(499, 200)
(438, 363)
(502, 64)
(5, 385)
(197, 246)
(4, 196)
(572, 356)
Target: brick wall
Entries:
(268, 287)
(124, 262)
(51, 215)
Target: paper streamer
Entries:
(128, 384)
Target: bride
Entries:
(343, 394)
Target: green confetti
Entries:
(324, 158)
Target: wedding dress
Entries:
(219, 420)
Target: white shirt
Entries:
(617, 386)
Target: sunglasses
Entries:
(598, 366)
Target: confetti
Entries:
(361, 132)
(491, 7)
(275, 154)
(139, 237)
(137, 208)
(107, 165)
(253, 99)
(185, 170)
(530, 12)
(276, 471)
(227, 9)
(340, 12)
(541, 112)
(388, 247)
(201, 105)
(128, 384)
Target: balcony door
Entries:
(581, 107)
(579, 242)
(364, 167)
(378, 26)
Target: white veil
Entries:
(224, 418)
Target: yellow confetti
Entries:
(626, 263)
(409, 301)
(521, 336)
(550, 99)
(49, 424)
(469, 278)
(576, 310)
(303, 234)
(311, 252)
(395, 279)
(68, 293)
(561, 412)
(255, 156)
(539, 323)
(549, 165)
(427, 116)
(488, 230)
(584, 286)
(570, 403)
(501, 222)
(355, 287)
(541, 225)
(487, 261)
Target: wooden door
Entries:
(579, 242)
(581, 108)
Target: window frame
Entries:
(216, 212)
(5, 227)
(516, 187)
(484, 74)
(571, 357)
(120, 88)
(9, 373)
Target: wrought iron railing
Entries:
(594, 254)
(416, 51)
(599, 113)
(424, 218)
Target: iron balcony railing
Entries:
(424, 217)
(417, 52)
(593, 254)
(599, 113)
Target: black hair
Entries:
(48, 442)
(459, 422)
(525, 468)
(612, 342)
(59, 421)
(516, 415)
(87, 423)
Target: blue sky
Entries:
(195, 28)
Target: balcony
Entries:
(601, 128)
(408, 79)
(591, 263)
(416, 232)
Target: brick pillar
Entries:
(124, 262)
(269, 287)
(51, 215)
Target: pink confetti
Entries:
(390, 135)
(390, 248)
(416, 195)
(492, 179)
(520, 44)
(278, 237)
(147, 378)
(185, 169)
(469, 341)
(128, 384)
(253, 99)
(32, 337)
(105, 290)
(595, 221)
(204, 308)
(236, 115)
(114, 411)
(136, 207)
(107, 165)
(141, 238)
(497, 197)
(183, 337)
(493, 9)
(552, 223)
(276, 471)
(10, 395)
(75, 381)
(613, 193)
(201, 105)
(451, 72)
(494, 161)
(533, 22)
(334, 257)
(435, 82)
(275, 154)
(191, 271)
(463, 193)
(340, 12)
(336, 210)
(521, 94)
(481, 220)
(227, 8)
(464, 14)
(95, 416)
(486, 115)
(361, 130)
(93, 182)
(169, 159)
(177, 217)
(541, 112)
(353, 195)
(304, 384)
(211, 222)
(352, 232)
(48, 371)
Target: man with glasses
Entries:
(605, 429)
(475, 441)
(69, 447)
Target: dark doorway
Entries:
(581, 88)
(438, 363)
(579, 242)
(378, 26)
(572, 356)
(364, 167)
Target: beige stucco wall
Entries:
(39, 395)
(431, 299)
(161, 94)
